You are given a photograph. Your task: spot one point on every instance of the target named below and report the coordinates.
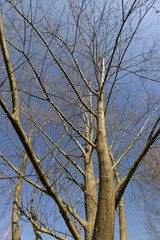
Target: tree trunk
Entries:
(105, 218)
(90, 196)
(90, 183)
(37, 233)
(122, 221)
(15, 220)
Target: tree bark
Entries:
(105, 218)
(15, 219)
(12, 81)
(122, 221)
(37, 233)
(90, 189)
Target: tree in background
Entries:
(150, 185)
(78, 112)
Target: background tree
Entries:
(150, 185)
(79, 74)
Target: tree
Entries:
(151, 190)
(75, 74)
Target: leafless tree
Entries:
(150, 178)
(79, 73)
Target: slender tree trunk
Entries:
(15, 220)
(90, 188)
(90, 197)
(105, 218)
(37, 233)
(122, 221)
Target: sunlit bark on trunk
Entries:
(90, 197)
(90, 186)
(37, 233)
(105, 218)
(15, 219)
(122, 221)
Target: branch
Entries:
(44, 230)
(116, 43)
(134, 141)
(18, 172)
(55, 59)
(61, 151)
(44, 180)
(126, 179)
(71, 52)
(50, 101)
(34, 217)
(153, 129)
(12, 81)
(76, 216)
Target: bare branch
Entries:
(9, 69)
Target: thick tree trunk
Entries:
(105, 218)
